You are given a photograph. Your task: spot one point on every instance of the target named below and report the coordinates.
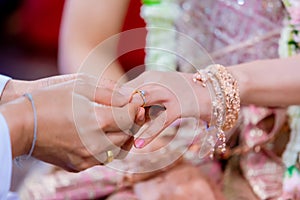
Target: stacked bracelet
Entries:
(29, 97)
(225, 100)
(230, 90)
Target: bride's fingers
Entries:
(151, 94)
(152, 130)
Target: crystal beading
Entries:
(225, 99)
(207, 79)
(229, 87)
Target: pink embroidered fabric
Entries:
(231, 31)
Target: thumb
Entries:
(113, 119)
(152, 129)
(109, 97)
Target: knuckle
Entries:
(118, 99)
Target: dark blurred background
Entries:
(29, 37)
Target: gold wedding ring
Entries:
(110, 156)
(142, 94)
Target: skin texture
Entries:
(175, 92)
(276, 84)
(276, 81)
(61, 109)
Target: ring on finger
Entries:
(110, 156)
(142, 94)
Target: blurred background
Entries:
(29, 37)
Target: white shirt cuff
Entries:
(5, 159)
(3, 82)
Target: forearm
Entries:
(269, 82)
(84, 33)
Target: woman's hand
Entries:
(76, 124)
(176, 93)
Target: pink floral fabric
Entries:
(230, 32)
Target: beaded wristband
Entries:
(219, 104)
(29, 97)
(218, 107)
(217, 114)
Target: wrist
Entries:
(243, 81)
(203, 99)
(14, 89)
(18, 116)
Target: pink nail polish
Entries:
(139, 143)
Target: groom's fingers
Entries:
(138, 81)
(152, 130)
(109, 97)
(101, 92)
(107, 83)
(113, 119)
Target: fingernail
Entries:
(139, 143)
